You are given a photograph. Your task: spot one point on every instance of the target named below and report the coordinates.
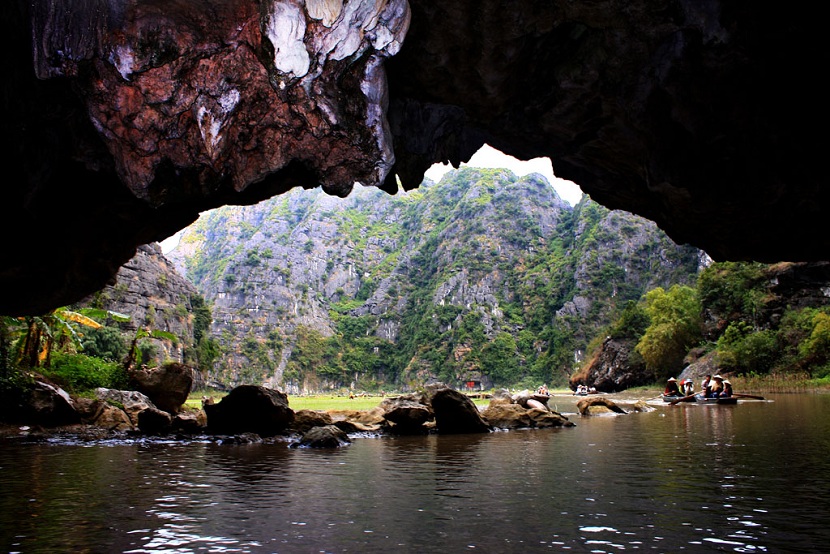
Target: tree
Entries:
(499, 359)
(59, 327)
(675, 328)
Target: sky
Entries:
(487, 156)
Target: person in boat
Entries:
(705, 385)
(688, 388)
(671, 388)
(727, 389)
(715, 387)
(543, 390)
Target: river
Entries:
(754, 477)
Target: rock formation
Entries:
(250, 409)
(129, 117)
(480, 255)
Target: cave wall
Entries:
(124, 119)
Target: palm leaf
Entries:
(80, 319)
(99, 313)
(158, 334)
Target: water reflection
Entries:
(748, 478)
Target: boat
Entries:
(674, 397)
(724, 400)
(699, 398)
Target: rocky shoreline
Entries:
(254, 414)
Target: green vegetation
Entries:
(732, 315)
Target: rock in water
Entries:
(249, 408)
(167, 386)
(455, 413)
(327, 436)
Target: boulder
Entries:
(132, 402)
(598, 405)
(514, 416)
(351, 427)
(613, 368)
(306, 419)
(43, 403)
(192, 422)
(528, 400)
(455, 413)
(167, 386)
(327, 436)
(369, 418)
(100, 413)
(50, 406)
(153, 421)
(407, 416)
(250, 408)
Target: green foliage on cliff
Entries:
(736, 313)
(483, 276)
(674, 328)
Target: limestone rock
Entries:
(306, 419)
(613, 368)
(167, 386)
(598, 405)
(327, 436)
(191, 422)
(407, 415)
(153, 421)
(456, 413)
(667, 113)
(132, 402)
(250, 408)
(45, 404)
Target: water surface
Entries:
(754, 477)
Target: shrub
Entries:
(78, 372)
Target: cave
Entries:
(124, 119)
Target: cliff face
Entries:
(134, 116)
(446, 282)
(156, 297)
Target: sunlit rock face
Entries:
(126, 118)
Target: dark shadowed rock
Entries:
(455, 413)
(249, 408)
(167, 386)
(189, 422)
(153, 421)
(45, 404)
(667, 110)
(615, 367)
(328, 436)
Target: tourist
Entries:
(543, 390)
(705, 386)
(688, 387)
(727, 389)
(715, 387)
(671, 388)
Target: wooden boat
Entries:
(701, 399)
(708, 401)
(673, 397)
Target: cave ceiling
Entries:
(124, 119)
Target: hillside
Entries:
(483, 277)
